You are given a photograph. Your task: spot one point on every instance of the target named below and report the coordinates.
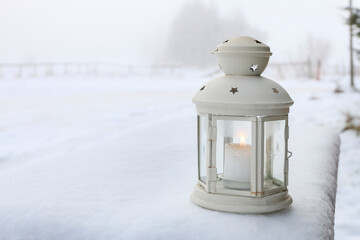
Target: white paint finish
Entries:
(242, 55)
(254, 172)
(239, 204)
(260, 157)
(211, 173)
(242, 44)
(255, 96)
(247, 64)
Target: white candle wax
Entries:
(237, 162)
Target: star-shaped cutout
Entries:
(275, 90)
(202, 88)
(254, 67)
(257, 41)
(234, 90)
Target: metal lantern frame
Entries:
(213, 184)
(242, 95)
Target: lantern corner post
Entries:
(211, 170)
(254, 162)
(260, 156)
(286, 162)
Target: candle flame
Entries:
(242, 140)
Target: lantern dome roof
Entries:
(242, 95)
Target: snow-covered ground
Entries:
(51, 120)
(51, 116)
(347, 217)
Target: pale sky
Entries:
(135, 31)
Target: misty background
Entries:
(179, 32)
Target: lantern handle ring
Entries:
(290, 154)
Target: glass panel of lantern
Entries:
(233, 153)
(202, 142)
(274, 154)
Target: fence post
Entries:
(49, 69)
(309, 68)
(318, 71)
(20, 68)
(34, 70)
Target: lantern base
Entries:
(240, 204)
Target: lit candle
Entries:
(237, 161)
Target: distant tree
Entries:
(317, 50)
(198, 29)
(354, 24)
(354, 21)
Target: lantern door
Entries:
(203, 145)
(233, 154)
(275, 168)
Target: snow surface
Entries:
(347, 221)
(115, 158)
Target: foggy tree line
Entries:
(198, 29)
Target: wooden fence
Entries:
(306, 69)
(20, 70)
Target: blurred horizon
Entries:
(138, 32)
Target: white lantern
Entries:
(242, 134)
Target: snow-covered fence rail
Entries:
(20, 70)
(45, 69)
(306, 69)
(293, 69)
